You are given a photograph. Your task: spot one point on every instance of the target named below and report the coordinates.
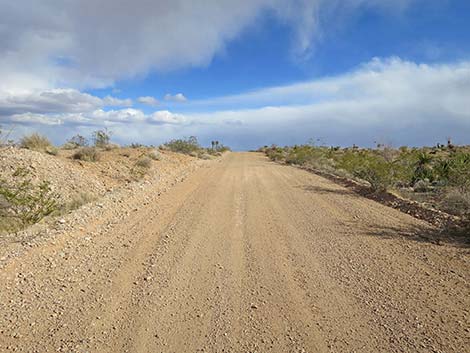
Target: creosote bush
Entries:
(441, 172)
(23, 203)
(186, 146)
(87, 154)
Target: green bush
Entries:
(372, 168)
(440, 174)
(35, 142)
(23, 203)
(185, 146)
(275, 153)
(87, 154)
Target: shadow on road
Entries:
(422, 234)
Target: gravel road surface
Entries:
(244, 255)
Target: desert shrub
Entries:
(87, 154)
(459, 170)
(144, 162)
(423, 168)
(223, 148)
(141, 167)
(111, 146)
(35, 142)
(275, 153)
(370, 167)
(154, 155)
(78, 201)
(101, 138)
(136, 145)
(299, 155)
(456, 202)
(422, 186)
(25, 203)
(53, 151)
(185, 146)
(74, 142)
(205, 156)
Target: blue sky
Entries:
(426, 32)
(245, 72)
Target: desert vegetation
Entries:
(23, 202)
(87, 154)
(33, 185)
(191, 146)
(438, 177)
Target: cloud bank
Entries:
(391, 100)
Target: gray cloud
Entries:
(84, 43)
(54, 101)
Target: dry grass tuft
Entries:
(87, 154)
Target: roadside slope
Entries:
(245, 255)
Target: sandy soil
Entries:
(242, 256)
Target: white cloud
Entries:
(392, 78)
(34, 119)
(152, 101)
(79, 43)
(98, 118)
(178, 98)
(54, 101)
(166, 117)
(388, 100)
(47, 101)
(116, 102)
(393, 100)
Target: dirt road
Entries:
(243, 256)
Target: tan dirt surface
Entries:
(242, 256)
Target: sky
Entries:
(247, 73)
